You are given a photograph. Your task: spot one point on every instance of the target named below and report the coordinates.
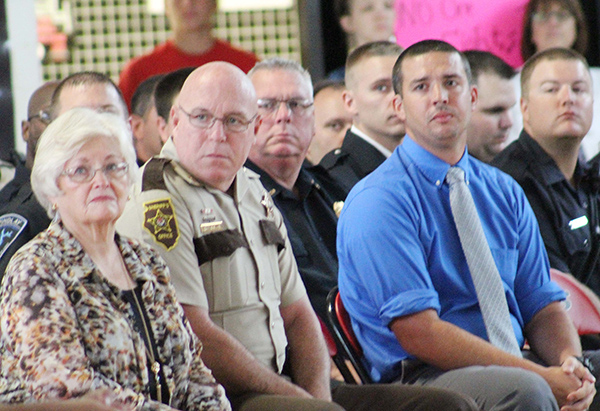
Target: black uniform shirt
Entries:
(349, 164)
(311, 223)
(567, 215)
(21, 216)
(22, 176)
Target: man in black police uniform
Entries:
(307, 202)
(557, 107)
(376, 130)
(18, 204)
(38, 117)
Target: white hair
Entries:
(63, 139)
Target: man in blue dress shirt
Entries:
(403, 274)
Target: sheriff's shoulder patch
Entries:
(11, 226)
(160, 221)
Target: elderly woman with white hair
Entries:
(83, 308)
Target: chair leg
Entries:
(342, 366)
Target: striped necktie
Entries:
(485, 275)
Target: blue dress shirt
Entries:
(399, 251)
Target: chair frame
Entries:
(338, 359)
(581, 305)
(348, 346)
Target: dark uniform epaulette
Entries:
(330, 188)
(332, 158)
(153, 177)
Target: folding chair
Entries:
(582, 305)
(348, 346)
(337, 358)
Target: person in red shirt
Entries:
(191, 44)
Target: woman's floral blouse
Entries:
(66, 330)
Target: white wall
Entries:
(26, 69)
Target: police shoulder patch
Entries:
(160, 221)
(11, 226)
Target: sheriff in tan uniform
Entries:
(229, 254)
(228, 250)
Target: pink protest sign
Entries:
(489, 25)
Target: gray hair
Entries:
(277, 63)
(63, 139)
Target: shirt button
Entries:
(262, 285)
(585, 242)
(437, 183)
(273, 325)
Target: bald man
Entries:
(227, 248)
(12, 172)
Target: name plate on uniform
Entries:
(578, 222)
(212, 227)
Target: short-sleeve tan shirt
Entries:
(228, 254)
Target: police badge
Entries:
(160, 221)
(11, 226)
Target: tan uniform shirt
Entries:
(230, 255)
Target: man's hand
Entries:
(583, 396)
(572, 385)
(571, 382)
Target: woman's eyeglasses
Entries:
(84, 174)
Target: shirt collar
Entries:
(73, 251)
(433, 168)
(169, 151)
(387, 153)
(549, 171)
(304, 183)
